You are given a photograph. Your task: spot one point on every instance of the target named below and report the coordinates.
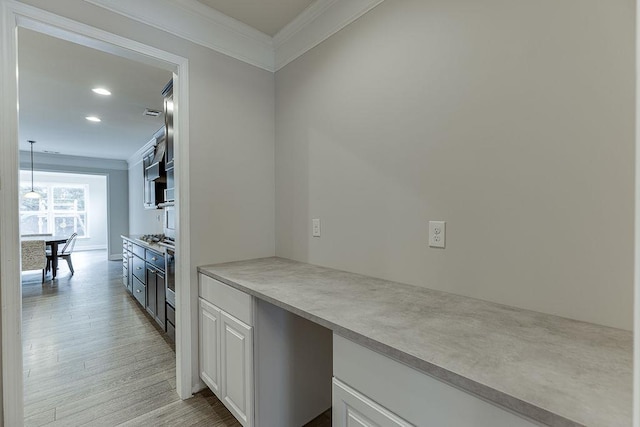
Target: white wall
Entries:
(96, 207)
(511, 120)
(141, 220)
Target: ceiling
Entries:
(55, 82)
(268, 16)
(56, 78)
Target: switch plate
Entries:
(315, 228)
(436, 234)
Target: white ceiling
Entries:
(55, 82)
(268, 16)
(56, 78)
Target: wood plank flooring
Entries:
(92, 357)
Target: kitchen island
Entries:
(547, 369)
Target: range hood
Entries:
(152, 172)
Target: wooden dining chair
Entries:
(34, 256)
(64, 253)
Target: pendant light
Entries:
(32, 194)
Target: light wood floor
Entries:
(92, 357)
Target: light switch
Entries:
(315, 232)
(436, 234)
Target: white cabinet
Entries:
(352, 409)
(226, 346)
(236, 367)
(269, 367)
(209, 325)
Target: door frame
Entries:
(18, 15)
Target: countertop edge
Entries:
(482, 391)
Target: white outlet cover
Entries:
(437, 233)
(315, 227)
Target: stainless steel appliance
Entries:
(169, 222)
(170, 274)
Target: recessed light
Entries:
(101, 91)
(93, 119)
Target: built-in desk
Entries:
(546, 369)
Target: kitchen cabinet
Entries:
(139, 291)
(236, 367)
(209, 326)
(144, 277)
(171, 322)
(253, 353)
(226, 347)
(126, 268)
(352, 409)
(138, 269)
(155, 303)
(155, 281)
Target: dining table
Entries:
(52, 241)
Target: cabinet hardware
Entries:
(154, 259)
(152, 271)
(138, 290)
(138, 268)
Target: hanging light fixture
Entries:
(32, 194)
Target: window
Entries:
(61, 210)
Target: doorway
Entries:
(18, 15)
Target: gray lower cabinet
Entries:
(144, 277)
(156, 302)
(139, 291)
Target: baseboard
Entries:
(115, 257)
(91, 248)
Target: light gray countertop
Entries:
(136, 239)
(554, 370)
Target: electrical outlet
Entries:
(315, 228)
(436, 234)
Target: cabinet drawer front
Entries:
(139, 291)
(171, 314)
(138, 250)
(171, 332)
(352, 409)
(229, 299)
(156, 259)
(416, 397)
(138, 265)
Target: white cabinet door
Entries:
(352, 409)
(237, 368)
(209, 319)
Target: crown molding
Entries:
(314, 25)
(199, 24)
(193, 21)
(44, 160)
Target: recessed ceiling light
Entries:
(101, 91)
(93, 119)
